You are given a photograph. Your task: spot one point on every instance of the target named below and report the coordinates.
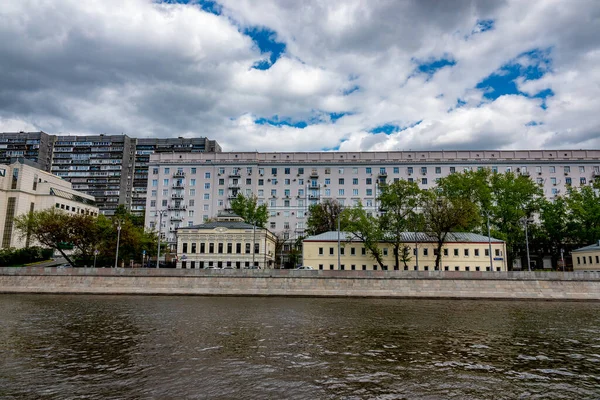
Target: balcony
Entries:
(313, 186)
(179, 174)
(177, 196)
(234, 186)
(232, 196)
(176, 218)
(313, 196)
(179, 207)
(314, 173)
(382, 174)
(234, 174)
(178, 185)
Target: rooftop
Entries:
(407, 237)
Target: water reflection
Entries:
(195, 347)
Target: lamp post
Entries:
(118, 239)
(489, 241)
(338, 238)
(253, 241)
(524, 220)
(160, 213)
(95, 255)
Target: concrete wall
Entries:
(431, 284)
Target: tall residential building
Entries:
(99, 165)
(145, 147)
(112, 168)
(24, 188)
(34, 146)
(191, 188)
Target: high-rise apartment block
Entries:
(191, 188)
(112, 168)
(34, 146)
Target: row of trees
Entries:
(464, 202)
(25, 255)
(86, 235)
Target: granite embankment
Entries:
(411, 284)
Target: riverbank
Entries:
(398, 284)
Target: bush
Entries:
(24, 256)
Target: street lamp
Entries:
(489, 241)
(95, 255)
(118, 239)
(524, 220)
(160, 213)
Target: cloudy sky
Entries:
(276, 75)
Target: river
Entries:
(144, 347)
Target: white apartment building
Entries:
(190, 188)
(25, 188)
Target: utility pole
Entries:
(338, 237)
(160, 213)
(118, 239)
(489, 242)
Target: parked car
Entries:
(305, 267)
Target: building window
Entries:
(193, 248)
(476, 252)
(211, 248)
(202, 248)
(331, 251)
(320, 251)
(185, 248)
(247, 248)
(466, 252)
(229, 248)
(455, 252)
(256, 248)
(220, 247)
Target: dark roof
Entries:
(221, 224)
(409, 237)
(71, 196)
(591, 247)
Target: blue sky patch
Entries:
(353, 89)
(530, 65)
(431, 67)
(207, 5)
(388, 129)
(265, 41)
(276, 121)
(335, 116)
(484, 25)
(533, 123)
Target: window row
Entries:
(424, 251)
(376, 267)
(219, 248)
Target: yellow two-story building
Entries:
(587, 258)
(461, 252)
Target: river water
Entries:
(139, 347)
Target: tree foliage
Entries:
(442, 215)
(366, 228)
(399, 202)
(247, 207)
(86, 234)
(323, 217)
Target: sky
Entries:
(311, 75)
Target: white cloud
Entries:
(149, 69)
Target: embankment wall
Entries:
(407, 284)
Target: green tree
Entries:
(554, 231)
(399, 202)
(249, 210)
(366, 228)
(514, 197)
(584, 212)
(52, 228)
(442, 215)
(323, 217)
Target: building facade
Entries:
(33, 146)
(192, 188)
(461, 252)
(25, 188)
(228, 242)
(112, 168)
(587, 258)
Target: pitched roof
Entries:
(221, 224)
(407, 237)
(591, 247)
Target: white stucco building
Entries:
(25, 188)
(191, 188)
